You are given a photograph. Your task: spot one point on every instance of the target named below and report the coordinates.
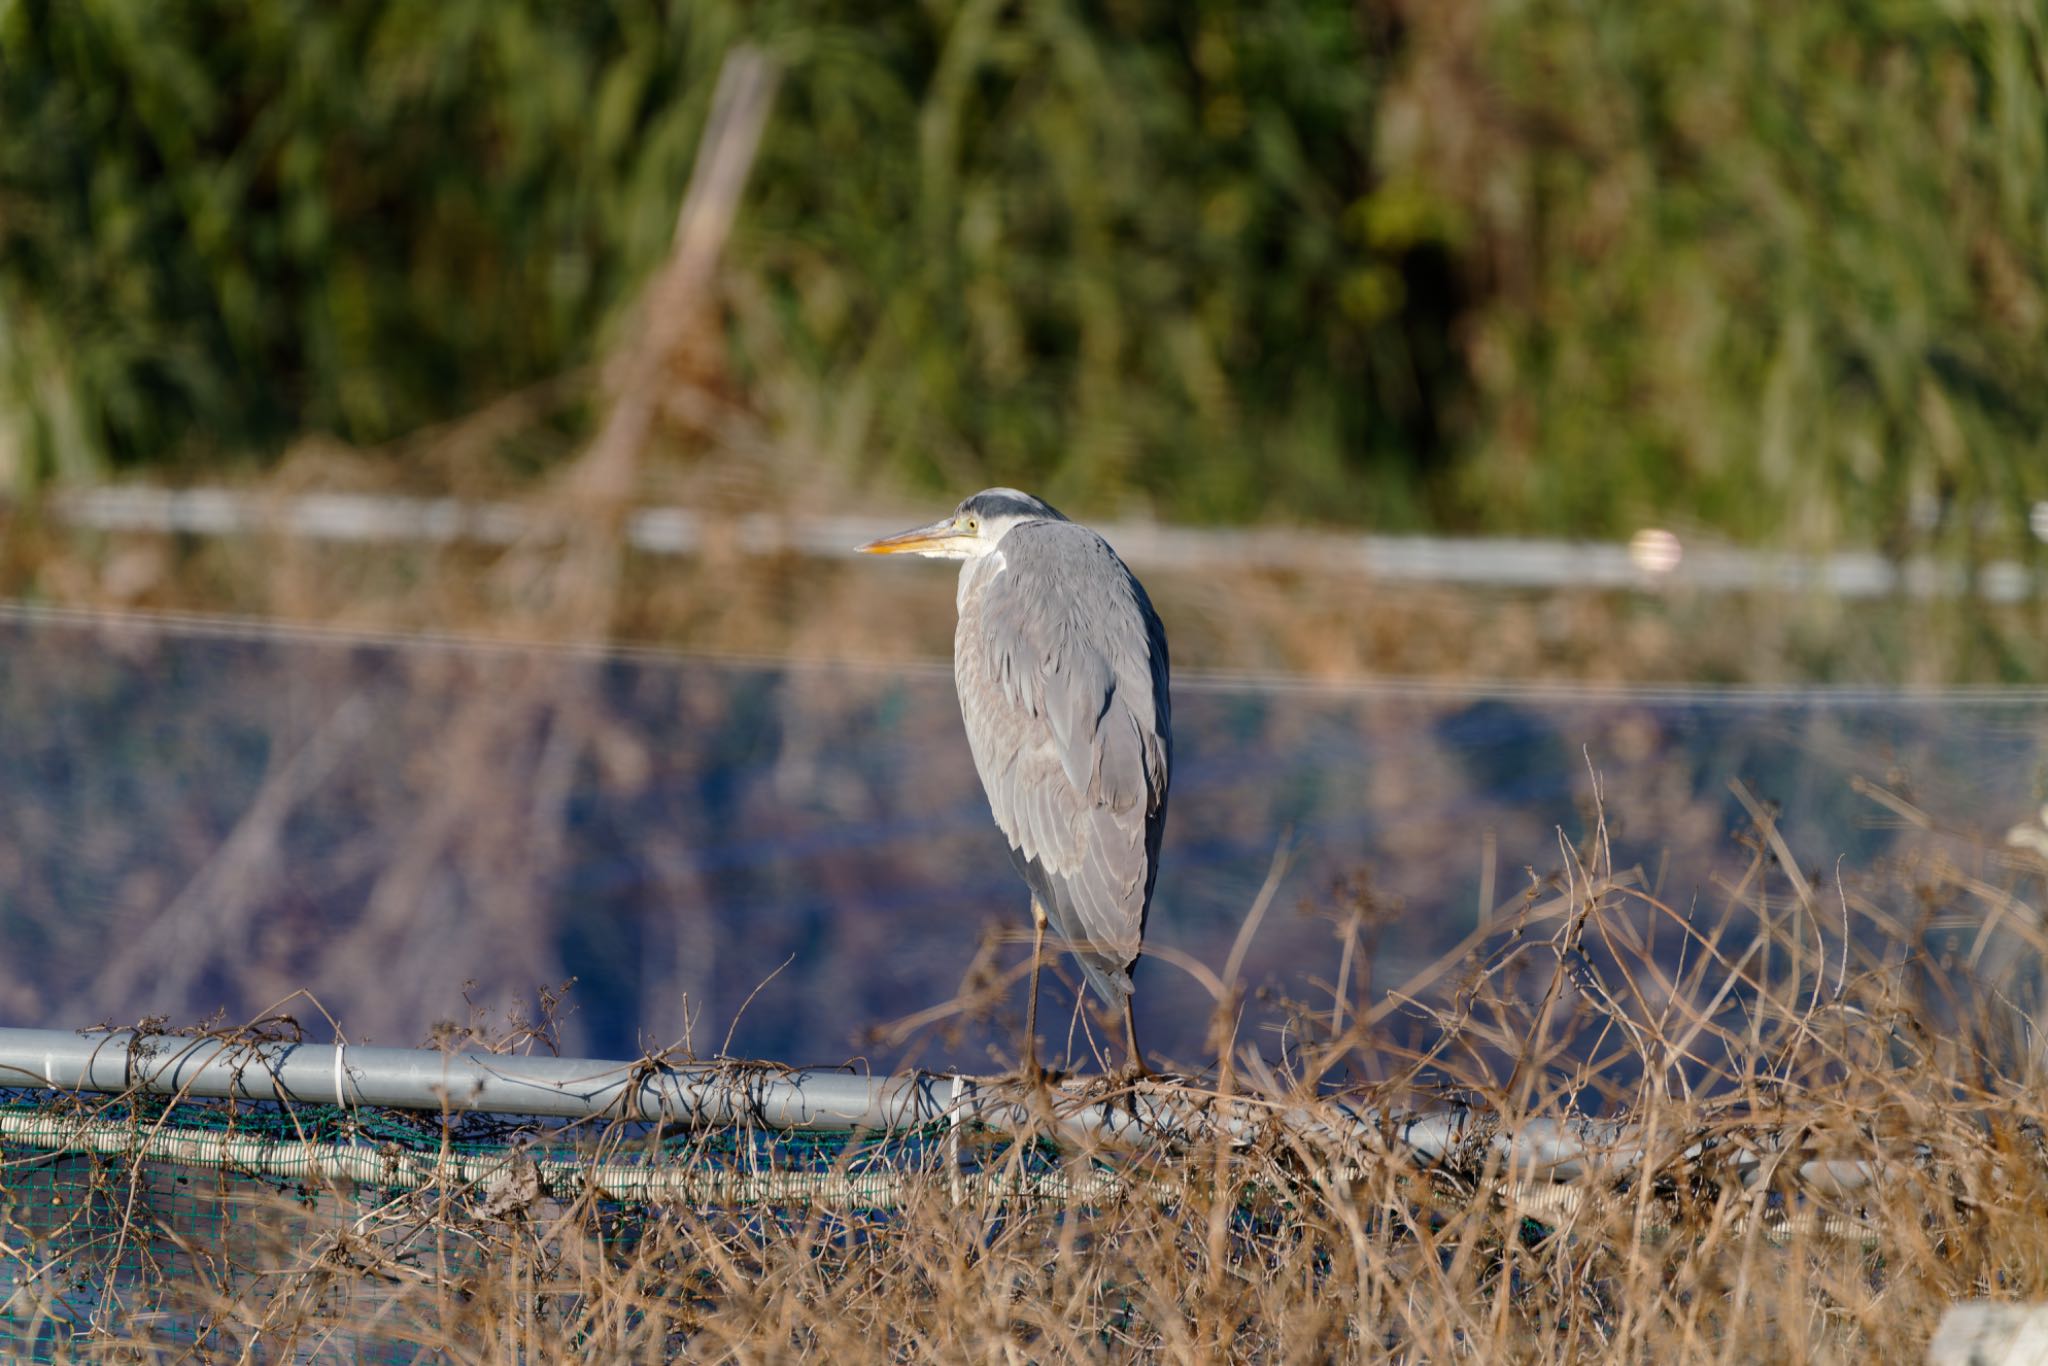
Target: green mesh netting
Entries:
(265, 1232)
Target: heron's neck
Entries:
(976, 574)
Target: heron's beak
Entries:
(940, 538)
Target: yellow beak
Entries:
(938, 538)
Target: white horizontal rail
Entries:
(727, 1095)
(510, 1178)
(1655, 559)
(393, 1167)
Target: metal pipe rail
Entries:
(671, 531)
(515, 1179)
(693, 1094)
(736, 1095)
(424, 1079)
(710, 1095)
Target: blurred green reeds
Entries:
(1773, 271)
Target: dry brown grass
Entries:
(1810, 1119)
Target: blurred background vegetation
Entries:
(1775, 271)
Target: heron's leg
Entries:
(1134, 1058)
(1031, 1067)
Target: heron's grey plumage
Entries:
(1061, 668)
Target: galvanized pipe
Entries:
(695, 1094)
(1502, 561)
(424, 1079)
(739, 1095)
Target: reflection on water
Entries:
(191, 819)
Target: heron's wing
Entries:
(1061, 668)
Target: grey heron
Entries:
(1060, 664)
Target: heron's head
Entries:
(974, 528)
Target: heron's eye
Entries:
(971, 525)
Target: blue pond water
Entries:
(796, 856)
